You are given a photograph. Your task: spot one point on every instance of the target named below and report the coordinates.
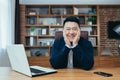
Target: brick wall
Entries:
(109, 14)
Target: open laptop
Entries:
(19, 62)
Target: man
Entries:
(80, 49)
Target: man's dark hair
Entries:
(72, 19)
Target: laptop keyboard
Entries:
(36, 70)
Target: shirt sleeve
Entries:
(59, 55)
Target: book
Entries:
(44, 31)
(82, 20)
(93, 40)
(75, 11)
(39, 31)
(52, 31)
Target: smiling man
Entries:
(72, 51)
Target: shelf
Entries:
(37, 46)
(49, 18)
(31, 15)
(86, 25)
(46, 19)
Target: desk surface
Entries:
(63, 74)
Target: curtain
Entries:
(17, 23)
(6, 29)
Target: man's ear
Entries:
(63, 30)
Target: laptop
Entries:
(19, 62)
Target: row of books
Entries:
(46, 41)
(62, 10)
(91, 30)
(30, 11)
(34, 11)
(32, 41)
(84, 10)
(50, 21)
(55, 20)
(43, 31)
(31, 20)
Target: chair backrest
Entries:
(59, 34)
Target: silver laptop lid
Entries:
(18, 59)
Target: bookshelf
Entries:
(39, 23)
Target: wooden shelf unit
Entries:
(49, 18)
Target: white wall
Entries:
(7, 8)
(69, 1)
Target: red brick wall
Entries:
(109, 14)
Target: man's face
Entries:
(71, 29)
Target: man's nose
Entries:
(71, 31)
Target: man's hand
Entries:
(67, 41)
(77, 38)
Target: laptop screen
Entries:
(18, 59)
(19, 62)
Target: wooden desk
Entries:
(63, 74)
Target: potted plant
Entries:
(90, 20)
(32, 30)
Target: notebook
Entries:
(19, 62)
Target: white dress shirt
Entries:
(70, 56)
